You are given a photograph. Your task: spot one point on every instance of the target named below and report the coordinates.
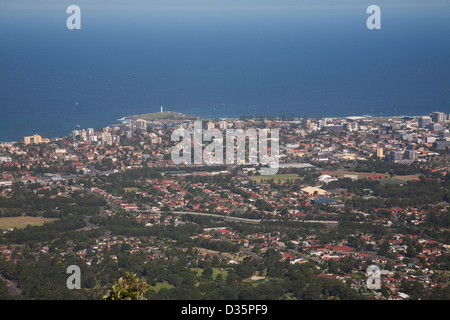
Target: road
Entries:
(226, 218)
(12, 287)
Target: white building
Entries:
(325, 178)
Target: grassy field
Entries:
(406, 178)
(22, 222)
(216, 271)
(361, 175)
(161, 285)
(277, 178)
(131, 189)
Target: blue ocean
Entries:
(217, 59)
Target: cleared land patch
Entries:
(23, 221)
(277, 178)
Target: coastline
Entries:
(130, 118)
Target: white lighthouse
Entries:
(161, 109)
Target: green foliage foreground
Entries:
(129, 287)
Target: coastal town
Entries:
(350, 193)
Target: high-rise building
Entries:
(223, 124)
(441, 144)
(310, 125)
(444, 135)
(380, 153)
(210, 125)
(395, 155)
(109, 139)
(351, 126)
(75, 133)
(141, 124)
(424, 121)
(435, 126)
(411, 154)
(35, 139)
(155, 139)
(438, 117)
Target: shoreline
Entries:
(128, 119)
